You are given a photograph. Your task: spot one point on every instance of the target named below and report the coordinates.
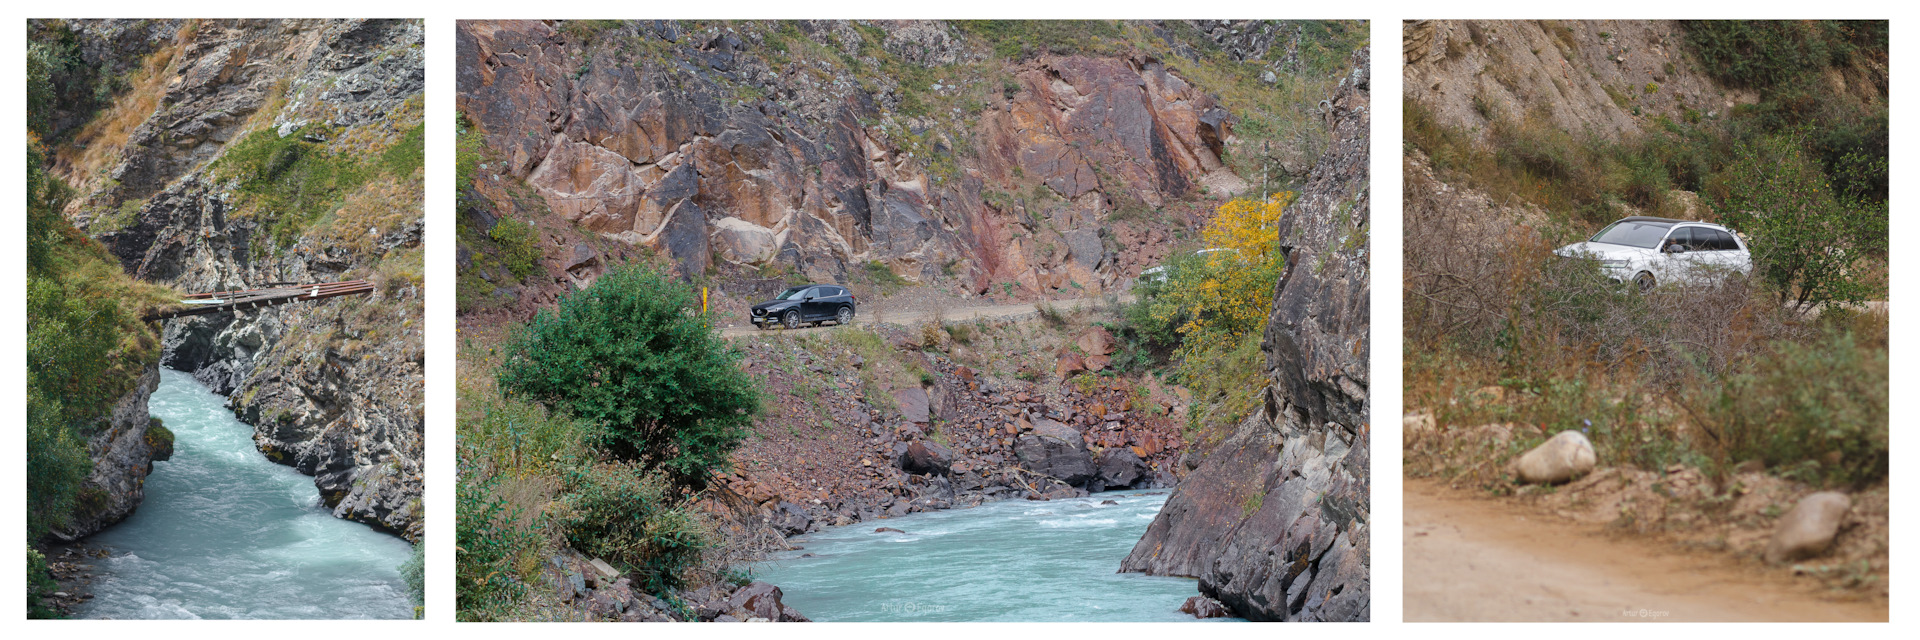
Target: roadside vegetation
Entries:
(1207, 316)
(1786, 370)
(603, 420)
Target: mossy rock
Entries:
(160, 440)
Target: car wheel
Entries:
(791, 320)
(845, 317)
(1644, 282)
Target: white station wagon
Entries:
(1650, 251)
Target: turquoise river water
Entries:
(225, 533)
(1013, 560)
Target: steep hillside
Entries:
(1690, 396)
(232, 154)
(910, 152)
(1275, 521)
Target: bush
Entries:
(627, 515)
(632, 353)
(1809, 241)
(414, 572)
(525, 438)
(519, 246)
(1815, 411)
(493, 555)
(40, 584)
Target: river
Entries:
(1014, 560)
(225, 533)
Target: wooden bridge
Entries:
(278, 293)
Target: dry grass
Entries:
(98, 144)
(375, 210)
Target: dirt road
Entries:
(1475, 559)
(1004, 311)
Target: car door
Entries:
(1687, 266)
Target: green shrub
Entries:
(1817, 411)
(519, 246)
(414, 572)
(40, 584)
(493, 555)
(1808, 239)
(632, 354)
(525, 437)
(624, 514)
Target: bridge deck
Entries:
(200, 304)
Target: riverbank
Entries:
(227, 533)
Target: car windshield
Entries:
(791, 294)
(1645, 235)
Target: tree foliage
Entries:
(632, 353)
(1809, 239)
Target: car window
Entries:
(1645, 235)
(1723, 241)
(796, 293)
(835, 292)
(1680, 236)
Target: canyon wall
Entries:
(1275, 521)
(333, 388)
(837, 148)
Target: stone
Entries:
(1203, 607)
(913, 403)
(1068, 364)
(606, 570)
(759, 599)
(888, 530)
(1564, 457)
(790, 519)
(927, 458)
(1057, 451)
(1121, 469)
(1809, 528)
(1095, 341)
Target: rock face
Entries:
(335, 389)
(122, 458)
(694, 144)
(1566, 456)
(1808, 529)
(1275, 522)
(1057, 451)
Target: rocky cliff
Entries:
(1275, 521)
(830, 149)
(250, 152)
(122, 457)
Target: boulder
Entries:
(1203, 607)
(1120, 469)
(1056, 450)
(1565, 456)
(1809, 528)
(1068, 364)
(744, 242)
(1095, 342)
(913, 403)
(888, 530)
(759, 599)
(927, 458)
(790, 519)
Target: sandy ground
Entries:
(1470, 558)
(1011, 311)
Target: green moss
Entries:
(290, 183)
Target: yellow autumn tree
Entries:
(1222, 292)
(1213, 304)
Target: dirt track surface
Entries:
(1004, 311)
(1469, 558)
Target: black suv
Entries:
(806, 304)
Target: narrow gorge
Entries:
(933, 167)
(223, 155)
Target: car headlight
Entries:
(1613, 264)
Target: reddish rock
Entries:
(1095, 342)
(1068, 364)
(1203, 607)
(913, 403)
